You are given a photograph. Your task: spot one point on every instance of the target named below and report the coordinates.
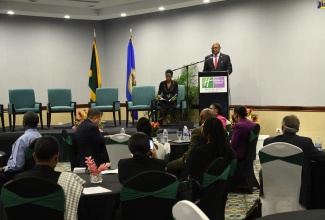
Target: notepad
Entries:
(79, 170)
(95, 190)
(115, 171)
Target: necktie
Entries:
(215, 62)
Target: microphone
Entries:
(209, 57)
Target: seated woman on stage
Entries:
(217, 111)
(141, 160)
(217, 146)
(167, 96)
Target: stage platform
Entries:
(8, 138)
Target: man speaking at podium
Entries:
(217, 61)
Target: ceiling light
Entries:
(123, 14)
(206, 1)
(161, 8)
(10, 12)
(67, 16)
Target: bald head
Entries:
(215, 48)
(205, 114)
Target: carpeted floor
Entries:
(237, 204)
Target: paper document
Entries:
(115, 171)
(79, 170)
(96, 189)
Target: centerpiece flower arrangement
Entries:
(95, 172)
(155, 126)
(80, 117)
(251, 116)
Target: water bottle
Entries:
(318, 143)
(185, 134)
(122, 131)
(165, 137)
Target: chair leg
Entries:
(41, 119)
(48, 121)
(3, 123)
(14, 122)
(114, 118)
(127, 118)
(119, 116)
(132, 117)
(9, 115)
(72, 122)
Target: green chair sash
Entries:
(252, 136)
(29, 153)
(110, 141)
(233, 165)
(294, 159)
(167, 156)
(168, 192)
(209, 179)
(67, 140)
(53, 200)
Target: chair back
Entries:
(149, 195)
(72, 154)
(281, 170)
(59, 97)
(215, 188)
(188, 210)
(117, 148)
(33, 198)
(181, 95)
(22, 98)
(143, 95)
(106, 96)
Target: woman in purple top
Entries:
(241, 130)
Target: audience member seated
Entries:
(145, 127)
(143, 158)
(217, 111)
(16, 160)
(167, 96)
(290, 126)
(88, 141)
(241, 131)
(217, 145)
(46, 155)
(177, 166)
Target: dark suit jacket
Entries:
(130, 167)
(224, 63)
(88, 141)
(42, 171)
(310, 153)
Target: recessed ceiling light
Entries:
(206, 1)
(123, 14)
(10, 12)
(161, 8)
(67, 16)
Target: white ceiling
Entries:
(91, 9)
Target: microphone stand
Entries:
(186, 66)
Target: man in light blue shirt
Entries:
(16, 160)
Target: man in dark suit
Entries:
(290, 126)
(217, 61)
(88, 141)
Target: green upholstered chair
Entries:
(143, 99)
(215, 188)
(20, 102)
(281, 172)
(149, 195)
(2, 118)
(60, 101)
(107, 101)
(244, 178)
(33, 198)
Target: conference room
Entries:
(274, 47)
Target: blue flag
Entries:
(130, 74)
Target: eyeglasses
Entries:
(214, 48)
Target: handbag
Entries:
(189, 189)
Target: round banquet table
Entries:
(101, 205)
(315, 214)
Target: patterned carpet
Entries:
(237, 204)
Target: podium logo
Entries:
(207, 82)
(321, 4)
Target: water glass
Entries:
(179, 135)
